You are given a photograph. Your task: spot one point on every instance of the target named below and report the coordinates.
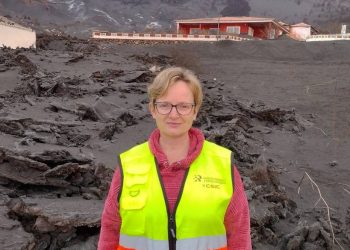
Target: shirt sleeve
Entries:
(111, 220)
(237, 218)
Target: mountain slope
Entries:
(81, 16)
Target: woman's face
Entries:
(174, 124)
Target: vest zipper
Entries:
(171, 216)
(172, 233)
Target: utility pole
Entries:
(218, 33)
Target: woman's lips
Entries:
(173, 124)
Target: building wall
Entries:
(259, 30)
(163, 37)
(243, 27)
(185, 28)
(300, 32)
(16, 37)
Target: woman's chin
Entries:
(174, 132)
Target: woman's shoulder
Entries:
(215, 147)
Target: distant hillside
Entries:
(79, 17)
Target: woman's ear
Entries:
(151, 109)
(195, 113)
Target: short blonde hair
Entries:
(168, 77)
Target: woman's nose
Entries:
(173, 112)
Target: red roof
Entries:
(240, 19)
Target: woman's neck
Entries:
(175, 148)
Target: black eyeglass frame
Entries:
(172, 106)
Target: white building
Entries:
(15, 36)
(302, 31)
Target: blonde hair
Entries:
(170, 76)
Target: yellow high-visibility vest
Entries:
(197, 222)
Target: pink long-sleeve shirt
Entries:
(237, 219)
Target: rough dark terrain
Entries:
(68, 108)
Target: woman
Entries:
(176, 191)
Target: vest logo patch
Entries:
(197, 178)
(209, 182)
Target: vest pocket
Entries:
(134, 203)
(134, 191)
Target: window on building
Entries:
(272, 34)
(213, 31)
(250, 31)
(233, 30)
(195, 31)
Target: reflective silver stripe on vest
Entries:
(142, 243)
(202, 243)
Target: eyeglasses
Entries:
(165, 108)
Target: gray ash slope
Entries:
(69, 108)
(80, 17)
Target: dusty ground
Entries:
(68, 109)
